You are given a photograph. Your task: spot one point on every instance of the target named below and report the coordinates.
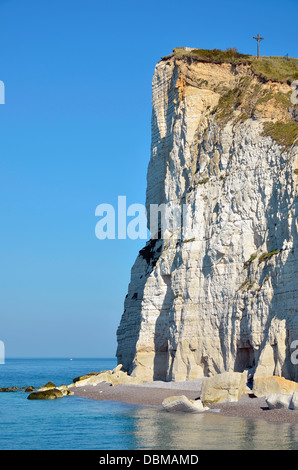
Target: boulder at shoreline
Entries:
(277, 401)
(225, 387)
(47, 386)
(50, 394)
(114, 377)
(182, 403)
(265, 386)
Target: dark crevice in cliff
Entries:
(161, 334)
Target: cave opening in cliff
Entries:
(245, 358)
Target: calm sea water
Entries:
(74, 423)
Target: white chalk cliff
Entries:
(223, 296)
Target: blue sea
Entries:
(74, 423)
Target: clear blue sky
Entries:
(75, 132)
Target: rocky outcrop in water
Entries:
(49, 394)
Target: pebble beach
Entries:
(153, 394)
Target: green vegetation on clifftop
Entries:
(278, 69)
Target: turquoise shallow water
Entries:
(74, 423)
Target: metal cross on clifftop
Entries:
(259, 39)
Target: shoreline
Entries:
(153, 394)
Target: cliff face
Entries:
(223, 296)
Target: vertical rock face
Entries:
(221, 295)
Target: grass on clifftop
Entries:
(216, 56)
(284, 134)
(250, 98)
(278, 69)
